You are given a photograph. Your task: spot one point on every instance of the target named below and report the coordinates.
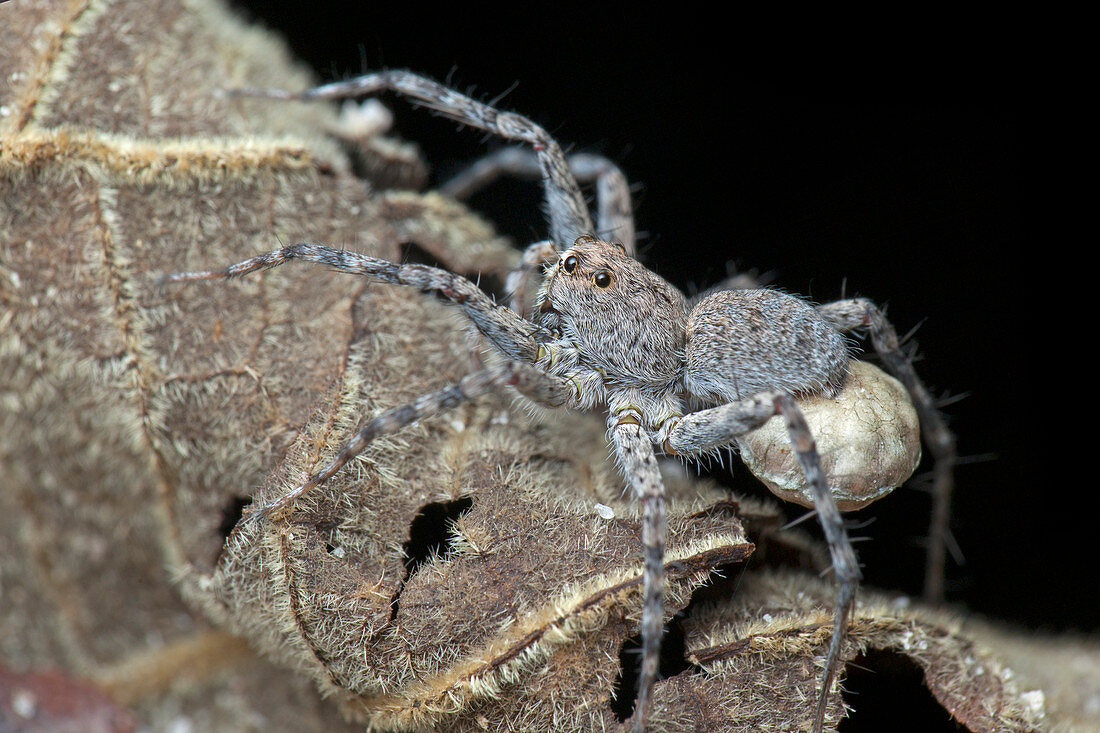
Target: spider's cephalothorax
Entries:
(676, 377)
(623, 321)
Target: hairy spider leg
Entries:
(524, 279)
(699, 432)
(569, 217)
(509, 333)
(635, 453)
(859, 313)
(614, 211)
(528, 380)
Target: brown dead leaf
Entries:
(458, 575)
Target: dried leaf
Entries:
(479, 570)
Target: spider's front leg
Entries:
(505, 330)
(704, 431)
(510, 334)
(528, 380)
(635, 453)
(614, 211)
(569, 217)
(524, 279)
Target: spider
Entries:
(675, 376)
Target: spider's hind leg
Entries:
(700, 432)
(860, 313)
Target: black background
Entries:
(906, 186)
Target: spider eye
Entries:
(570, 263)
(602, 279)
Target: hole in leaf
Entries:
(885, 691)
(430, 532)
(231, 514)
(673, 662)
(430, 537)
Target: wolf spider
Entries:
(675, 377)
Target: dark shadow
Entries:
(673, 662)
(413, 254)
(231, 514)
(885, 690)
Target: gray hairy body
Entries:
(743, 342)
(639, 345)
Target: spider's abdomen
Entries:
(742, 342)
